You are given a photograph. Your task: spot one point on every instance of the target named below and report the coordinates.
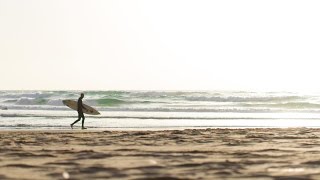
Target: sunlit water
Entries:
(160, 110)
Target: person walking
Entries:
(80, 112)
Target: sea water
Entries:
(160, 109)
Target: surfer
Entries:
(80, 112)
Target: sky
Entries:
(267, 45)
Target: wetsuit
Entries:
(80, 112)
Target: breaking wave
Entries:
(163, 101)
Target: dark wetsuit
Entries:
(80, 112)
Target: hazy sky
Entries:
(160, 45)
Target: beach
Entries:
(159, 90)
(248, 153)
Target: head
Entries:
(82, 95)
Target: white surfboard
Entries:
(74, 105)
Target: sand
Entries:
(292, 153)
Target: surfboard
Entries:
(74, 105)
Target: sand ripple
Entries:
(292, 153)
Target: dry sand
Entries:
(292, 153)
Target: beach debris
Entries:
(65, 175)
(152, 161)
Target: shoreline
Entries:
(124, 129)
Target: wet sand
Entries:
(287, 153)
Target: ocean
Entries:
(160, 109)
